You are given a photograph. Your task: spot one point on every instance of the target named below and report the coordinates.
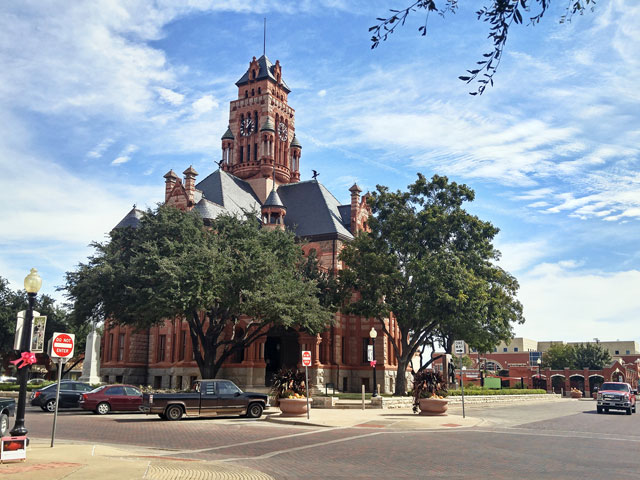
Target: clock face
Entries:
(246, 127)
(282, 131)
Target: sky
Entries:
(99, 99)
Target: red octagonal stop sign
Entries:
(62, 345)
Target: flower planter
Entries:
(576, 394)
(293, 407)
(433, 406)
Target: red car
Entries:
(117, 398)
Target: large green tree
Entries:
(576, 357)
(431, 264)
(174, 266)
(500, 16)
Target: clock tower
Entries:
(261, 134)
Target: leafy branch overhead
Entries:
(500, 16)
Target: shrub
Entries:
(287, 383)
(504, 391)
(427, 384)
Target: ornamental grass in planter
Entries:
(429, 393)
(289, 391)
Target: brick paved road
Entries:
(555, 441)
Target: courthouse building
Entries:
(260, 172)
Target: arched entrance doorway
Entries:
(557, 383)
(281, 350)
(577, 381)
(595, 381)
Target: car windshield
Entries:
(620, 387)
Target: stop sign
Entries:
(306, 358)
(62, 345)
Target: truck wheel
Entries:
(629, 411)
(174, 412)
(50, 406)
(4, 424)
(103, 408)
(633, 409)
(254, 410)
(599, 409)
(606, 410)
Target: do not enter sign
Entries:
(62, 345)
(306, 358)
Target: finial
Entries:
(315, 174)
(134, 206)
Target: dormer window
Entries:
(253, 74)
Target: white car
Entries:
(5, 379)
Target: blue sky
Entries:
(99, 99)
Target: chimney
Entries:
(190, 183)
(169, 183)
(355, 207)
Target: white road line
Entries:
(252, 442)
(303, 447)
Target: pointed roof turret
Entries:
(295, 142)
(228, 135)
(273, 200)
(268, 126)
(131, 219)
(171, 175)
(355, 189)
(266, 70)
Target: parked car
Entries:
(107, 398)
(616, 395)
(208, 398)
(36, 381)
(6, 379)
(70, 393)
(7, 409)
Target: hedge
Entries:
(503, 391)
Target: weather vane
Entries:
(315, 174)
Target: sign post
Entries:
(458, 348)
(306, 361)
(62, 347)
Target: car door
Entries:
(116, 397)
(230, 398)
(133, 398)
(208, 399)
(69, 396)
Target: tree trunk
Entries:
(401, 377)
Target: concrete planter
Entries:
(293, 407)
(433, 406)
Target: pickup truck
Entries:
(7, 409)
(616, 395)
(207, 398)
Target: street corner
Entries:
(74, 461)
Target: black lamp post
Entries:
(32, 284)
(373, 334)
(539, 362)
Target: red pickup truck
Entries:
(618, 396)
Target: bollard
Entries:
(363, 396)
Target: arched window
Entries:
(246, 94)
(253, 92)
(259, 91)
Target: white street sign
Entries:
(458, 347)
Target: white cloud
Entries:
(169, 96)
(561, 302)
(322, 93)
(125, 155)
(99, 149)
(204, 104)
(518, 256)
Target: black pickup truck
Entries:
(207, 398)
(7, 409)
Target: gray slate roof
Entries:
(131, 219)
(266, 71)
(312, 210)
(229, 192)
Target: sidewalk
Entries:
(80, 461)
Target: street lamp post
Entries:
(373, 334)
(539, 362)
(32, 284)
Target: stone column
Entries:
(91, 364)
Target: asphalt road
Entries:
(555, 440)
